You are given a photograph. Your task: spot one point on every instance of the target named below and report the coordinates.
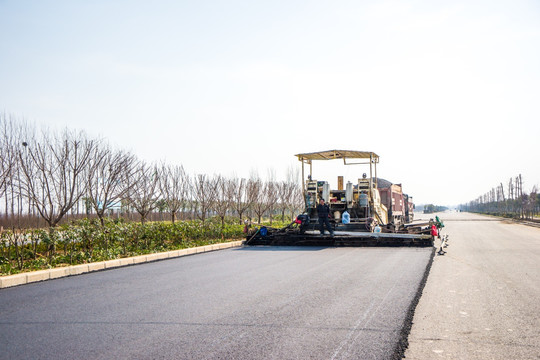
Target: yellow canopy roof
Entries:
(338, 154)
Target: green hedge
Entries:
(86, 241)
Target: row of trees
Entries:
(53, 174)
(430, 208)
(509, 200)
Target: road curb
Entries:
(43, 275)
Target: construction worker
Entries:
(324, 213)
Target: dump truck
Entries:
(359, 215)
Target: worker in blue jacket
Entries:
(324, 213)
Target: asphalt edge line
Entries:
(60, 272)
(403, 343)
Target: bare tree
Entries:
(14, 134)
(271, 196)
(174, 186)
(285, 190)
(224, 197)
(296, 203)
(204, 193)
(520, 195)
(53, 171)
(142, 192)
(535, 198)
(530, 202)
(256, 192)
(511, 189)
(107, 179)
(241, 197)
(291, 197)
(7, 158)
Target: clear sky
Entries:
(447, 93)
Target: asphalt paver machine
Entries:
(358, 216)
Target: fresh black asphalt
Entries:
(243, 303)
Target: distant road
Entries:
(482, 299)
(245, 303)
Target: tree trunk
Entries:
(240, 215)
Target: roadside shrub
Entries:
(86, 240)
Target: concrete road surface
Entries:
(246, 303)
(482, 299)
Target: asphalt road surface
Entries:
(482, 299)
(244, 303)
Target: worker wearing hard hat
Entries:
(324, 213)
